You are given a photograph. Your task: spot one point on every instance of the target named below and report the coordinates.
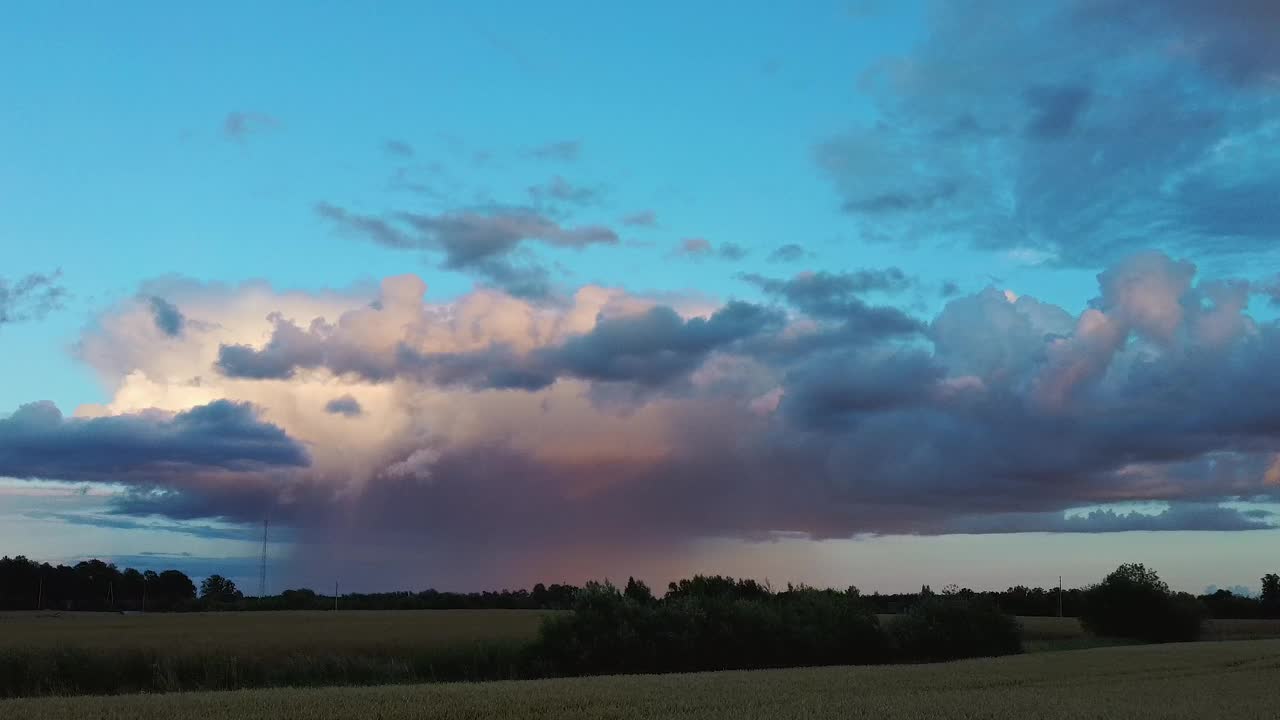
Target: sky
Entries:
(870, 293)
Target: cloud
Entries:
(168, 318)
(239, 126)
(699, 248)
(791, 252)
(479, 242)
(1235, 40)
(561, 151)
(1055, 110)
(120, 522)
(650, 347)
(344, 405)
(1202, 517)
(398, 148)
(37, 442)
(30, 297)
(1079, 132)
(560, 190)
(641, 218)
(833, 295)
(561, 435)
(1271, 290)
(838, 389)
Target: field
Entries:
(296, 631)
(103, 653)
(1195, 680)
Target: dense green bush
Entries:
(949, 627)
(688, 630)
(1133, 602)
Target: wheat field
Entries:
(1238, 679)
(295, 631)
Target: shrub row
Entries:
(609, 632)
(1133, 602)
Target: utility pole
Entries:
(335, 596)
(40, 594)
(144, 593)
(1059, 596)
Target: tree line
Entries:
(94, 585)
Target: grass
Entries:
(299, 631)
(102, 653)
(1183, 681)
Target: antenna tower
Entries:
(262, 567)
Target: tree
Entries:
(170, 590)
(638, 591)
(1271, 595)
(1134, 602)
(217, 589)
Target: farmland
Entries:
(109, 653)
(298, 631)
(72, 653)
(1193, 680)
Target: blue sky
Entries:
(666, 153)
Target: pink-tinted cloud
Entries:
(654, 426)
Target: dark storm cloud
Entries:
(38, 442)
(836, 390)
(648, 349)
(292, 348)
(1004, 414)
(791, 252)
(1238, 40)
(657, 346)
(345, 405)
(562, 151)
(479, 242)
(1078, 130)
(30, 297)
(166, 316)
(831, 295)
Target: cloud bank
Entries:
(620, 424)
(1074, 131)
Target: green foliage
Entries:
(1270, 597)
(638, 591)
(1133, 602)
(217, 590)
(721, 624)
(952, 626)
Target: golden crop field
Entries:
(1181, 681)
(294, 631)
